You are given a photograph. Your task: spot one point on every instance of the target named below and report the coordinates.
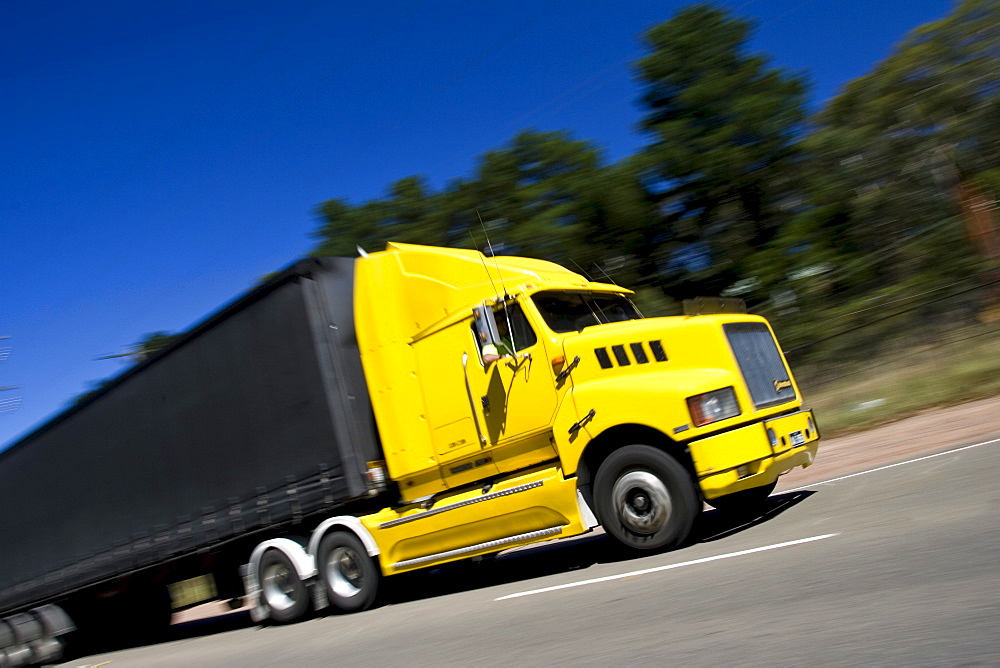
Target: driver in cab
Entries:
(489, 351)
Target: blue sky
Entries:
(158, 157)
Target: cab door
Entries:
(514, 398)
(444, 361)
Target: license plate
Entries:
(797, 438)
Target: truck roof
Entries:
(417, 286)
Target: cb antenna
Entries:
(582, 270)
(492, 254)
(475, 244)
(506, 311)
(613, 282)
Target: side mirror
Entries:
(486, 325)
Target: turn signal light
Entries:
(713, 406)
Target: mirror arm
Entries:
(472, 402)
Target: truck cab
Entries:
(593, 414)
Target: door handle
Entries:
(564, 374)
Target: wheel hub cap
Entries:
(641, 501)
(343, 572)
(278, 585)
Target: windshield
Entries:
(566, 311)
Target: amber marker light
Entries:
(557, 363)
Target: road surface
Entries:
(898, 566)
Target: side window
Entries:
(516, 333)
(509, 319)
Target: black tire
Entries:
(645, 499)
(745, 502)
(350, 576)
(281, 588)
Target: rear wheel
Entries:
(349, 574)
(645, 498)
(281, 588)
(747, 501)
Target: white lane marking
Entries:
(668, 567)
(891, 466)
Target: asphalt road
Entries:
(899, 566)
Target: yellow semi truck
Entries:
(593, 415)
(358, 418)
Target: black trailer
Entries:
(256, 420)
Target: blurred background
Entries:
(835, 165)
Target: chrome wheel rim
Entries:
(279, 585)
(641, 501)
(344, 573)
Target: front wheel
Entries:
(349, 574)
(645, 498)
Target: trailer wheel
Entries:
(281, 588)
(645, 498)
(349, 574)
(747, 501)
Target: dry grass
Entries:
(962, 367)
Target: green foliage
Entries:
(934, 100)
(825, 225)
(539, 196)
(886, 160)
(652, 303)
(961, 366)
(137, 353)
(536, 195)
(150, 344)
(723, 157)
(95, 388)
(409, 214)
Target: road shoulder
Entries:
(934, 431)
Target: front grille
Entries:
(764, 372)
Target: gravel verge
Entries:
(935, 430)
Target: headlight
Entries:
(713, 406)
